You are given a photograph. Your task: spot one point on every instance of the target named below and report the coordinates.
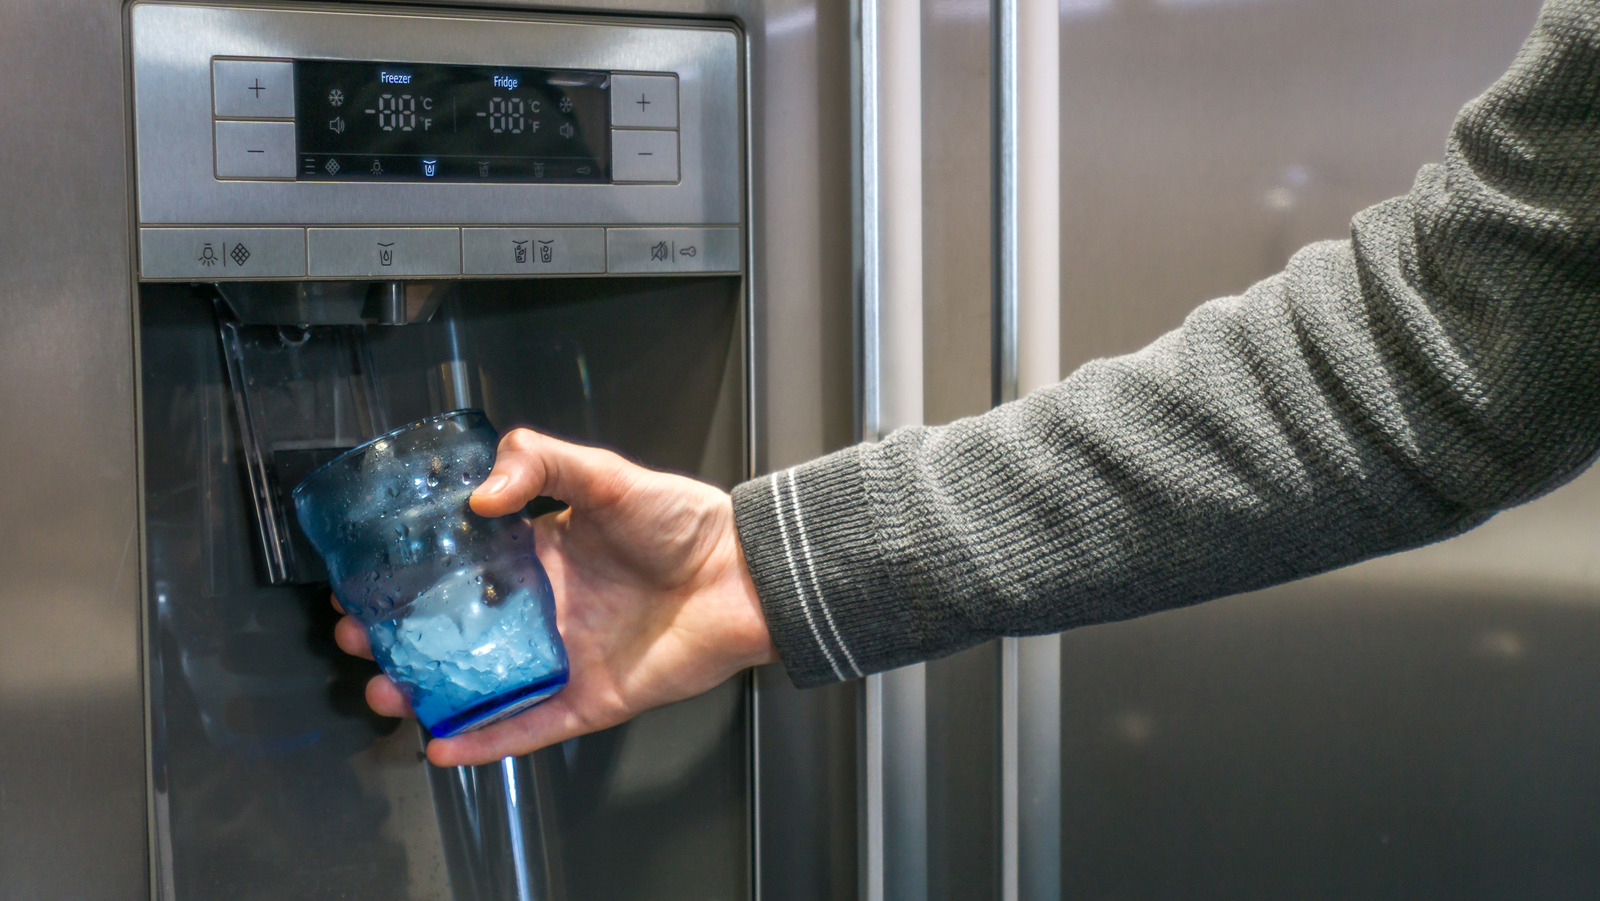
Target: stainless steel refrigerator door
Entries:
(75, 808)
(1418, 726)
(72, 809)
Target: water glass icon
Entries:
(430, 167)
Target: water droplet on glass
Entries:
(373, 576)
(433, 480)
(477, 580)
(466, 478)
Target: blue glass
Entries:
(458, 609)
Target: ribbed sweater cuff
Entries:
(810, 544)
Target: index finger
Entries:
(528, 464)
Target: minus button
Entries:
(640, 155)
(255, 149)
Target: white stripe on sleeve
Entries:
(811, 573)
(799, 588)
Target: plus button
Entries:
(642, 102)
(258, 87)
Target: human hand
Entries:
(653, 599)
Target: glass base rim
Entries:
(498, 707)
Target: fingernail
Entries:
(493, 485)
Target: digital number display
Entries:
(360, 121)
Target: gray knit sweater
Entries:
(1378, 394)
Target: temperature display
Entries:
(428, 122)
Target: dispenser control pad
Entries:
(283, 143)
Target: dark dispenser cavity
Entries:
(302, 396)
(300, 366)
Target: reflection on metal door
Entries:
(1411, 727)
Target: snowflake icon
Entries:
(336, 97)
(566, 104)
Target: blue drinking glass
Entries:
(457, 607)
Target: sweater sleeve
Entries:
(1378, 394)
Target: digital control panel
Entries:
(387, 121)
(407, 120)
(317, 143)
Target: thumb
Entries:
(528, 464)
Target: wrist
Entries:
(749, 621)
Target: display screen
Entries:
(427, 122)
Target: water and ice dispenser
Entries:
(351, 219)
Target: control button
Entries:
(255, 149)
(383, 252)
(532, 251)
(222, 254)
(644, 155)
(672, 250)
(253, 88)
(644, 101)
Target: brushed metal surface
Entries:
(181, 253)
(644, 101)
(172, 48)
(802, 376)
(1411, 727)
(252, 88)
(382, 252)
(1039, 768)
(957, 245)
(72, 797)
(255, 149)
(644, 155)
(70, 669)
(532, 251)
(672, 250)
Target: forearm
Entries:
(1378, 394)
